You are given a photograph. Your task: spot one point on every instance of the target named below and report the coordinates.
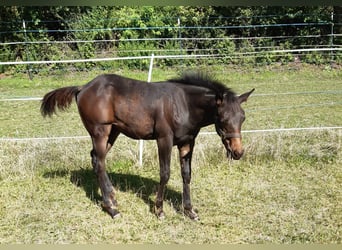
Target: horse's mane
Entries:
(204, 80)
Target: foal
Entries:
(170, 112)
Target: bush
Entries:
(216, 26)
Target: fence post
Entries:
(29, 69)
(141, 143)
(332, 36)
(179, 33)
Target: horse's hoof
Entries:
(191, 214)
(161, 216)
(112, 211)
(117, 215)
(159, 213)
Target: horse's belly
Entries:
(136, 129)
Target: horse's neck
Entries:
(206, 103)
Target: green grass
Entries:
(286, 189)
(295, 110)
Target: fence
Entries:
(202, 133)
(228, 48)
(217, 42)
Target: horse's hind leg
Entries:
(103, 139)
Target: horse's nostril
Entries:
(237, 154)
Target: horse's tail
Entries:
(60, 98)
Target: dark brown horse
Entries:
(170, 112)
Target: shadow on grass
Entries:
(142, 187)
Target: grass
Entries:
(272, 195)
(286, 189)
(296, 109)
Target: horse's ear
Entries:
(243, 98)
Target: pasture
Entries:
(286, 188)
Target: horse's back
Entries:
(138, 109)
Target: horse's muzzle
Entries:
(234, 148)
(236, 155)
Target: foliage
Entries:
(172, 28)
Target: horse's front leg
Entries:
(185, 155)
(164, 152)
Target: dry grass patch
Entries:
(276, 194)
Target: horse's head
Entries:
(230, 117)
